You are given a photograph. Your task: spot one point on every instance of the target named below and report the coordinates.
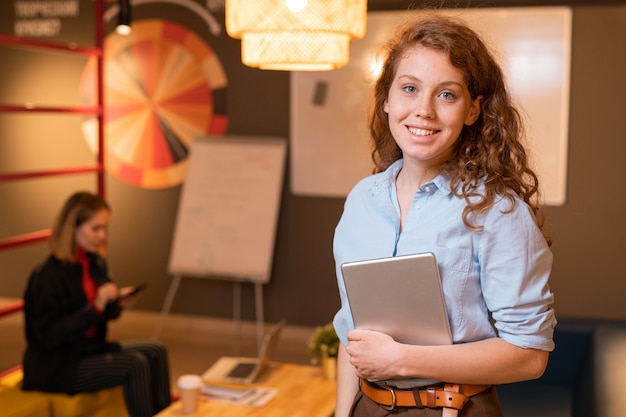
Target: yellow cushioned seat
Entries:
(17, 403)
(104, 403)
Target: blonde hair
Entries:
(78, 209)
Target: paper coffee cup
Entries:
(189, 389)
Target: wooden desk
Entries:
(302, 392)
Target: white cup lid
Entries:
(189, 381)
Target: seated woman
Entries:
(68, 302)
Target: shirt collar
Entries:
(387, 178)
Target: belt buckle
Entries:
(393, 398)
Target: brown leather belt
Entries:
(450, 397)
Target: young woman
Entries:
(451, 177)
(69, 299)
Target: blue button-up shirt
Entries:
(495, 281)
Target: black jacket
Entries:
(56, 316)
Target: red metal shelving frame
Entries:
(98, 167)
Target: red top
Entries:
(89, 286)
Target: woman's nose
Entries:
(424, 107)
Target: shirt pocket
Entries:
(454, 268)
(453, 259)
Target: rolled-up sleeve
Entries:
(516, 263)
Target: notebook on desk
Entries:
(244, 370)
(400, 296)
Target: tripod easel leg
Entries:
(167, 305)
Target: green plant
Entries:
(324, 342)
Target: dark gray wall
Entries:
(588, 277)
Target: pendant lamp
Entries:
(124, 18)
(296, 35)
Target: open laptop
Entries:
(242, 370)
(400, 296)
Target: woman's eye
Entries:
(409, 89)
(447, 95)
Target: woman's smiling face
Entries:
(428, 104)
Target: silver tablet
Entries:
(400, 296)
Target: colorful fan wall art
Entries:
(164, 87)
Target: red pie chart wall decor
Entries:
(164, 87)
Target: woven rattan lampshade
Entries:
(296, 35)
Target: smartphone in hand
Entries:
(136, 290)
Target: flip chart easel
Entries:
(227, 216)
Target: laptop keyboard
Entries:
(242, 370)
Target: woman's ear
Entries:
(474, 111)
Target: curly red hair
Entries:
(491, 150)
